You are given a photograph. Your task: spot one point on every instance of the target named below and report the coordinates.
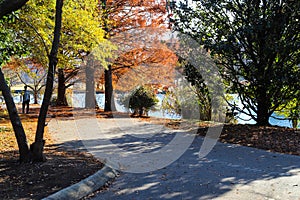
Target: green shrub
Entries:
(140, 101)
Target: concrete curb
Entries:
(86, 186)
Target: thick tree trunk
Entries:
(262, 108)
(90, 94)
(109, 104)
(61, 90)
(262, 114)
(15, 120)
(37, 147)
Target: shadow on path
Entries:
(227, 172)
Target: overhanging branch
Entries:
(8, 6)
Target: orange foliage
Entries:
(137, 25)
(124, 15)
(153, 65)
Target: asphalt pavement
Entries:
(158, 163)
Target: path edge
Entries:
(85, 187)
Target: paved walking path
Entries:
(158, 163)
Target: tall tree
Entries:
(80, 35)
(8, 47)
(37, 147)
(121, 16)
(256, 45)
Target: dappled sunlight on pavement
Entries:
(229, 171)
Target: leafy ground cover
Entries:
(66, 167)
(270, 138)
(37, 180)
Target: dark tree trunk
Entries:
(262, 108)
(109, 104)
(37, 147)
(262, 114)
(35, 93)
(90, 97)
(8, 6)
(15, 120)
(35, 96)
(61, 90)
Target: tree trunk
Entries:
(8, 6)
(90, 97)
(37, 147)
(15, 120)
(262, 114)
(109, 104)
(61, 90)
(35, 95)
(262, 108)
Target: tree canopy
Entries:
(8, 45)
(80, 36)
(9, 42)
(256, 46)
(127, 16)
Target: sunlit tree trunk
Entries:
(90, 94)
(35, 96)
(37, 147)
(15, 120)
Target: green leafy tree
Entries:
(80, 36)
(200, 90)
(191, 98)
(291, 111)
(255, 43)
(9, 41)
(36, 149)
(140, 101)
(8, 47)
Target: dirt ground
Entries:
(37, 180)
(270, 138)
(64, 167)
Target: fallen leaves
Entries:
(38, 180)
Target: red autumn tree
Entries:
(124, 16)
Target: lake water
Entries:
(78, 101)
(245, 119)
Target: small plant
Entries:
(294, 116)
(140, 101)
(53, 101)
